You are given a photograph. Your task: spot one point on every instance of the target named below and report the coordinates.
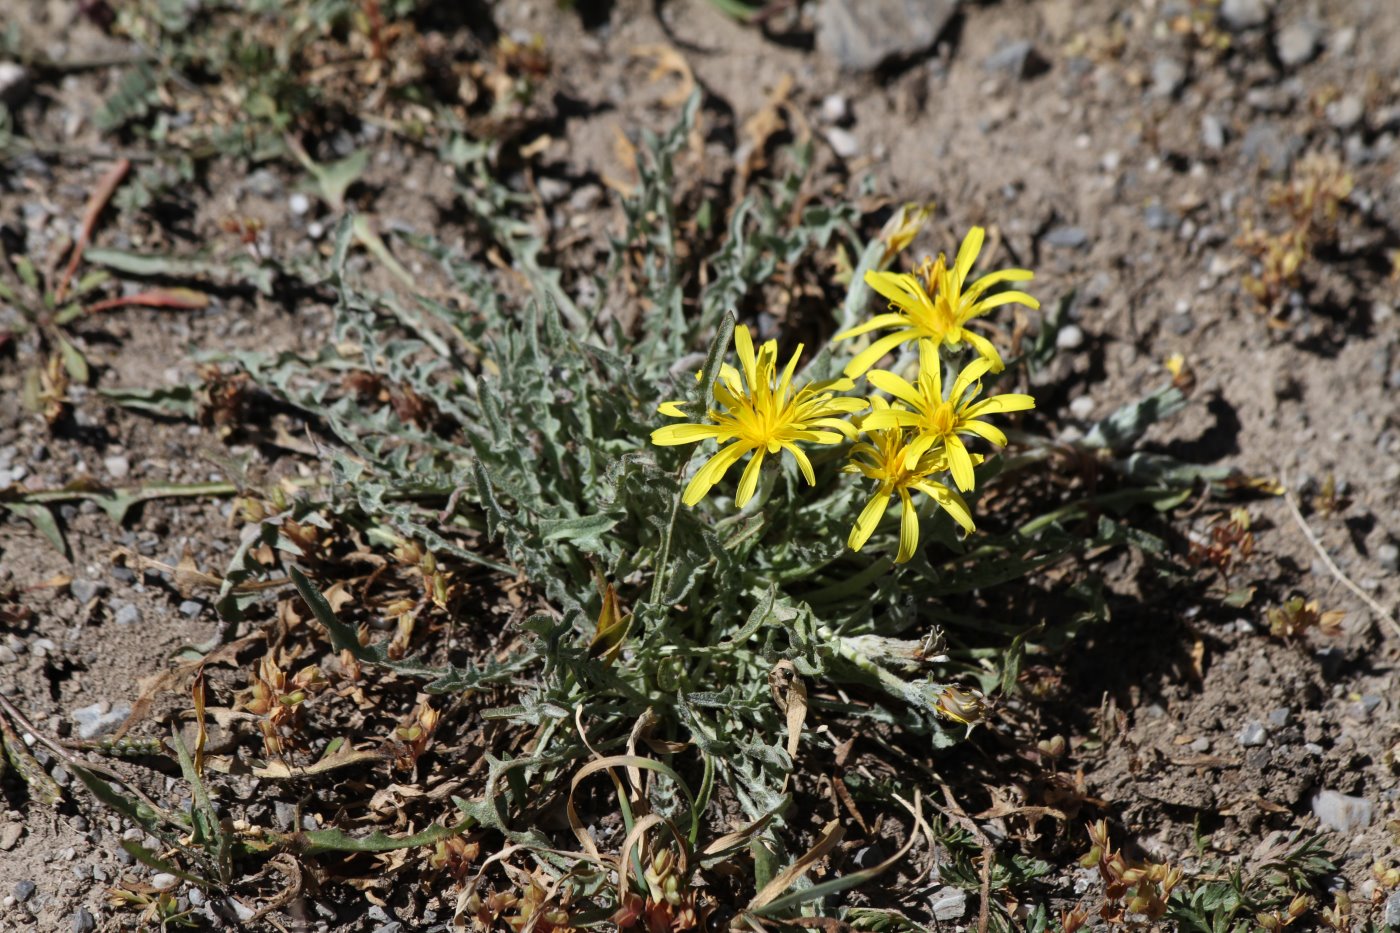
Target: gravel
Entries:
(24, 890)
(1345, 112)
(117, 466)
(190, 608)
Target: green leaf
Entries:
(585, 531)
(43, 521)
(178, 401)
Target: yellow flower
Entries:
(937, 420)
(884, 458)
(762, 412)
(938, 308)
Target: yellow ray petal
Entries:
(673, 434)
(908, 528)
(868, 519)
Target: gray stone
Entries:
(85, 591)
(1388, 556)
(84, 921)
(190, 608)
(117, 466)
(377, 914)
(164, 881)
(1200, 746)
(14, 83)
(99, 718)
(1168, 76)
(1298, 43)
(24, 890)
(1244, 14)
(1159, 218)
(1067, 237)
(124, 574)
(286, 815)
(1345, 112)
(196, 897)
(1266, 144)
(393, 926)
(1278, 718)
(862, 35)
(948, 903)
(43, 647)
(1340, 812)
(1018, 59)
(7, 655)
(1252, 735)
(128, 615)
(1391, 917)
(1082, 407)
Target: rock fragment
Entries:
(862, 35)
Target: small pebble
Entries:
(843, 142)
(190, 608)
(1200, 746)
(1082, 407)
(1345, 112)
(1212, 133)
(1067, 237)
(24, 890)
(85, 591)
(299, 203)
(7, 655)
(164, 881)
(1252, 735)
(1388, 556)
(1070, 337)
(116, 466)
(196, 897)
(1298, 43)
(835, 108)
(1244, 14)
(128, 615)
(1168, 76)
(123, 574)
(43, 647)
(1278, 718)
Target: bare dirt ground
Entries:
(1121, 154)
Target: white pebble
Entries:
(164, 881)
(1082, 407)
(843, 142)
(1070, 337)
(299, 203)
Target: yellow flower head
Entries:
(937, 420)
(885, 459)
(938, 308)
(760, 411)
